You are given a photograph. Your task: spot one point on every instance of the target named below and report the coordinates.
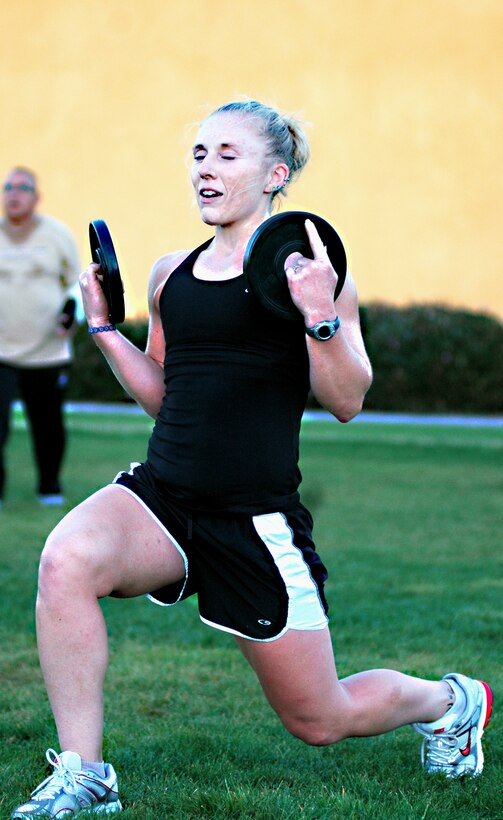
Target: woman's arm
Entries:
(140, 373)
(340, 370)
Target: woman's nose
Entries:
(206, 168)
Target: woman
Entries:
(215, 507)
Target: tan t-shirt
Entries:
(36, 274)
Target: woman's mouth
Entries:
(209, 194)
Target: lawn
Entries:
(408, 521)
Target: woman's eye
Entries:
(228, 156)
(199, 157)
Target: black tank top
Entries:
(236, 377)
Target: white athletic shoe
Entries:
(454, 747)
(69, 790)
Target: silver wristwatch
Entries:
(324, 330)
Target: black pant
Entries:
(42, 391)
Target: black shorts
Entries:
(255, 576)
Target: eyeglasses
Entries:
(23, 187)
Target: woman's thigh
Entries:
(298, 675)
(115, 545)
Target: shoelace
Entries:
(61, 778)
(439, 749)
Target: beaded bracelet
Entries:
(101, 329)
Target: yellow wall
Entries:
(403, 97)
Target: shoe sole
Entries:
(104, 808)
(485, 714)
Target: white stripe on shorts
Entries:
(305, 610)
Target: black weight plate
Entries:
(268, 248)
(103, 253)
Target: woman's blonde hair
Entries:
(284, 135)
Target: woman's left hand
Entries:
(312, 282)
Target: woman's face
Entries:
(231, 174)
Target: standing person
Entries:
(39, 265)
(215, 509)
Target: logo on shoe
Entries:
(466, 751)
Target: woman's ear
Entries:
(278, 179)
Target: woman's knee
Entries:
(64, 561)
(315, 732)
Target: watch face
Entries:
(325, 332)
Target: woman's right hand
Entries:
(93, 297)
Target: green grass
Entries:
(408, 521)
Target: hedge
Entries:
(433, 359)
(425, 359)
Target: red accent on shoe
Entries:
(489, 695)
